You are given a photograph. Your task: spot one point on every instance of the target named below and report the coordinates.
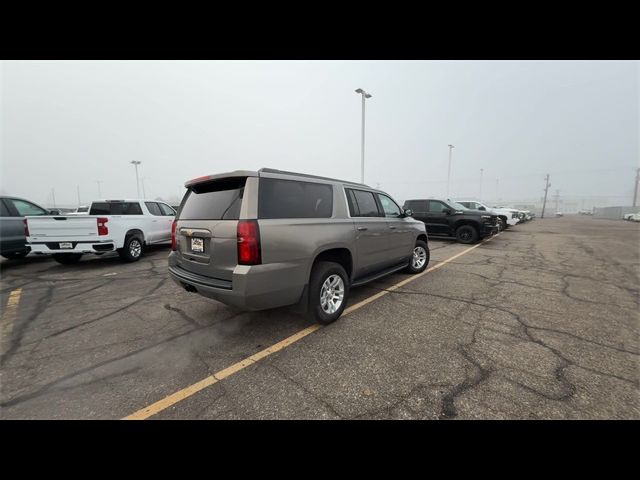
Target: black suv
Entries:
(450, 219)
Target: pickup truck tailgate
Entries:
(61, 227)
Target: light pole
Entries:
(365, 95)
(136, 163)
(481, 170)
(144, 194)
(99, 192)
(451, 147)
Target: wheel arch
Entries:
(134, 231)
(338, 254)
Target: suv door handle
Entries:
(362, 229)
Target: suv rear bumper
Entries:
(258, 287)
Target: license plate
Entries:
(66, 245)
(197, 245)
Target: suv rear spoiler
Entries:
(220, 176)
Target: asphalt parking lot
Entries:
(539, 322)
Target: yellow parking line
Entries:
(8, 318)
(180, 395)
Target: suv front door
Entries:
(372, 233)
(401, 236)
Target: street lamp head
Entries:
(451, 146)
(359, 90)
(135, 162)
(367, 95)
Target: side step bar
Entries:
(383, 273)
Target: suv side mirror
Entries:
(446, 211)
(407, 212)
(482, 208)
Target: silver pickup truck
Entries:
(270, 238)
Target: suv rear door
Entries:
(372, 233)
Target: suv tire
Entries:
(467, 234)
(420, 258)
(328, 292)
(132, 250)
(67, 258)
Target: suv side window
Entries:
(366, 204)
(390, 208)
(27, 208)
(294, 199)
(436, 207)
(167, 211)
(154, 209)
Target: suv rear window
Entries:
(215, 200)
(115, 208)
(294, 199)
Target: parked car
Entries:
(124, 226)
(450, 219)
(585, 212)
(269, 238)
(13, 242)
(633, 217)
(516, 214)
(506, 217)
(559, 214)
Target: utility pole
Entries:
(136, 163)
(546, 189)
(480, 196)
(635, 190)
(451, 147)
(365, 95)
(143, 192)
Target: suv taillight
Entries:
(26, 227)
(174, 245)
(248, 242)
(102, 226)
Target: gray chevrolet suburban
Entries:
(266, 239)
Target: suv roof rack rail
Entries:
(284, 172)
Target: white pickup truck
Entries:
(124, 226)
(507, 216)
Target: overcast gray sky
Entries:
(69, 123)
